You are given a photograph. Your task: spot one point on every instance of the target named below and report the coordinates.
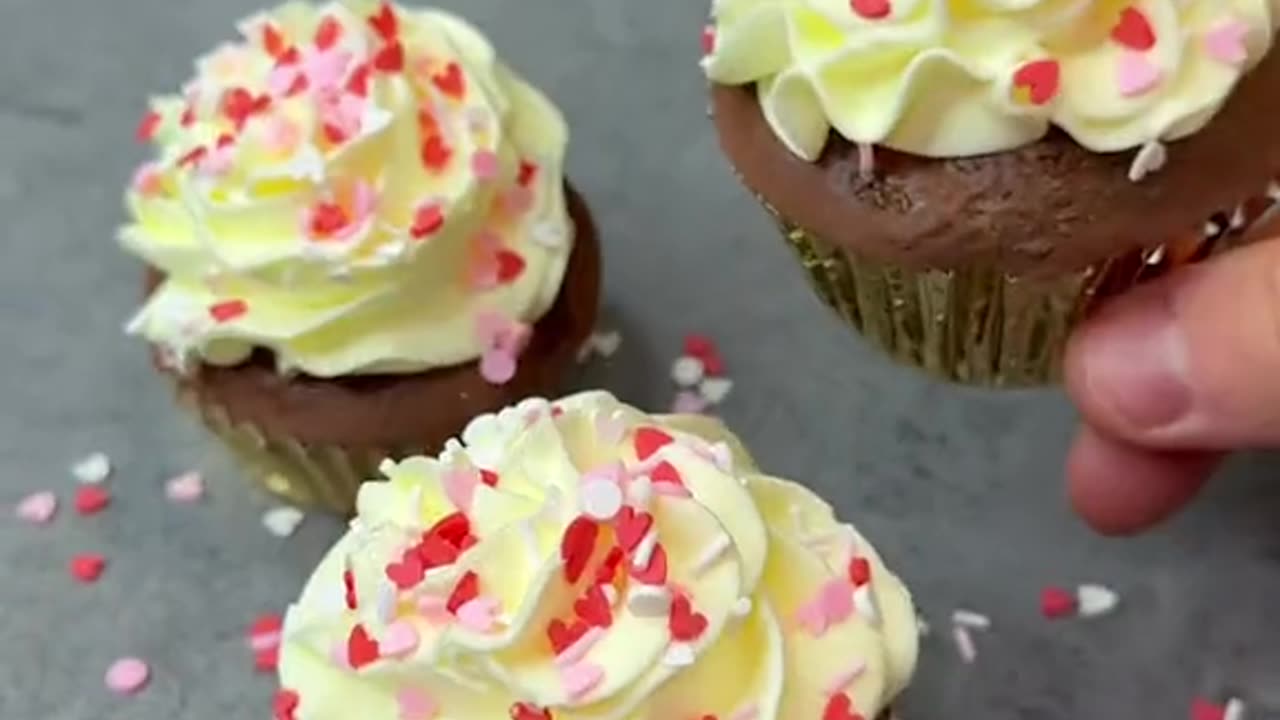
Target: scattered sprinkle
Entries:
(1151, 158)
(603, 343)
(678, 655)
(964, 644)
(648, 601)
(185, 488)
(1039, 80)
(1133, 30)
(1202, 709)
(91, 499)
(580, 679)
(38, 508)
(127, 676)
(871, 9)
(971, 620)
(1056, 602)
(87, 567)
(400, 639)
(264, 633)
(689, 403)
(715, 389)
(92, 469)
(282, 521)
(687, 371)
(1235, 710)
(1094, 600)
(1226, 42)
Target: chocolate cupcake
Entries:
(965, 181)
(359, 237)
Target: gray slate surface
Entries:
(961, 489)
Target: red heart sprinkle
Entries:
(148, 126)
(390, 58)
(510, 266)
(384, 23)
(631, 527)
(562, 636)
(427, 220)
(1041, 78)
(1133, 30)
(237, 104)
(91, 499)
(298, 87)
(358, 83)
(655, 573)
(284, 704)
(193, 156)
(453, 528)
(489, 477)
(349, 588)
(650, 440)
(408, 572)
(327, 219)
(526, 174)
(266, 660)
(328, 33)
(362, 649)
(871, 9)
(467, 589)
(577, 546)
(435, 153)
(333, 134)
(451, 82)
(1202, 709)
(1057, 603)
(708, 40)
(685, 623)
(859, 571)
(266, 625)
(698, 346)
(87, 568)
(525, 711)
(290, 56)
(593, 608)
(665, 472)
(272, 41)
(228, 310)
(840, 707)
(436, 551)
(608, 569)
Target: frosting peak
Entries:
(949, 78)
(357, 187)
(580, 560)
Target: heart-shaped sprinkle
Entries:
(1225, 42)
(92, 469)
(389, 59)
(362, 649)
(631, 527)
(399, 640)
(228, 310)
(452, 528)
(87, 567)
(185, 488)
(708, 39)
(859, 571)
(451, 81)
(415, 704)
(593, 608)
(37, 508)
(282, 521)
(266, 660)
(1133, 30)
(608, 569)
(467, 589)
(264, 633)
(284, 704)
(665, 472)
(580, 679)
(527, 711)
(91, 499)
(427, 220)
(679, 655)
(1135, 75)
(1057, 602)
(435, 551)
(871, 9)
(407, 572)
(435, 153)
(684, 623)
(577, 546)
(385, 23)
(459, 485)
(148, 126)
(563, 635)
(840, 707)
(498, 365)
(479, 614)
(127, 676)
(484, 163)
(715, 389)
(836, 599)
(649, 440)
(327, 33)
(1093, 600)
(1040, 79)
(654, 572)
(510, 266)
(1202, 709)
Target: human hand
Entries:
(1170, 377)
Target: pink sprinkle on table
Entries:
(127, 676)
(185, 488)
(37, 508)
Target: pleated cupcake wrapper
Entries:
(978, 325)
(324, 476)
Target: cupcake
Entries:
(964, 181)
(358, 236)
(580, 559)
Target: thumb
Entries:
(1190, 361)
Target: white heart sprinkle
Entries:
(687, 371)
(600, 499)
(678, 655)
(282, 521)
(185, 488)
(715, 390)
(1093, 600)
(606, 343)
(400, 640)
(92, 469)
(38, 508)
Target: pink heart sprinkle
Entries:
(484, 164)
(401, 639)
(459, 485)
(185, 488)
(127, 676)
(1225, 42)
(580, 679)
(498, 366)
(517, 201)
(688, 403)
(836, 598)
(37, 508)
(415, 704)
(812, 618)
(1135, 75)
(479, 614)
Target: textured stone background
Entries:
(961, 490)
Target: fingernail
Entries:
(1135, 361)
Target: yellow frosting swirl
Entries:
(357, 187)
(951, 78)
(581, 560)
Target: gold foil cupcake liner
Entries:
(324, 476)
(978, 325)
